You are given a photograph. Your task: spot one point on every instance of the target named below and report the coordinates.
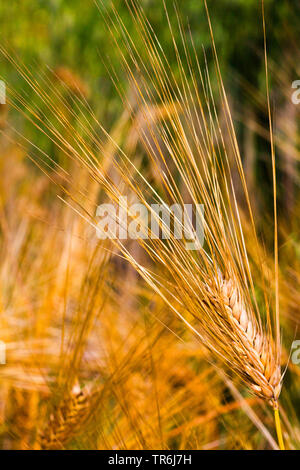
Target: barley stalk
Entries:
(252, 344)
(67, 419)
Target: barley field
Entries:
(149, 225)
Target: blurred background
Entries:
(88, 363)
(72, 40)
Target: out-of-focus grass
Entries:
(75, 316)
